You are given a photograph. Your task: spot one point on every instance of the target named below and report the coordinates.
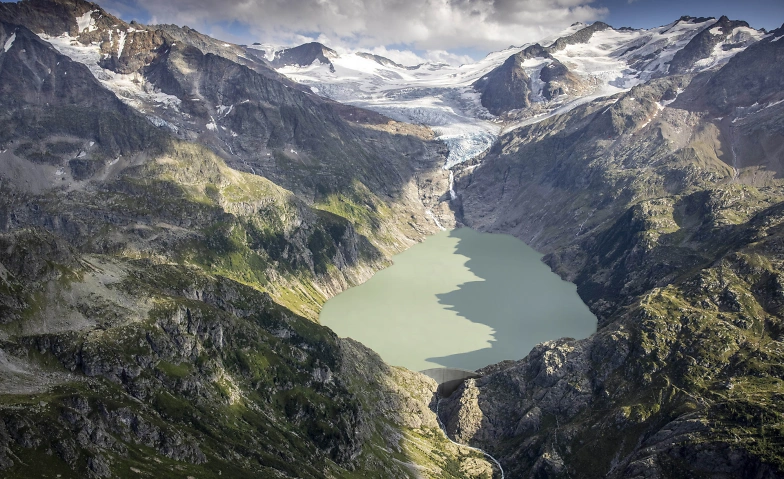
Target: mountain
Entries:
(688, 45)
(158, 294)
(663, 204)
(509, 86)
(304, 55)
(713, 45)
(471, 105)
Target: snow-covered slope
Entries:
(130, 88)
(605, 60)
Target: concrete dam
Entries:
(449, 379)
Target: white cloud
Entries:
(438, 26)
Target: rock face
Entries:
(385, 61)
(304, 55)
(724, 34)
(505, 88)
(509, 87)
(655, 204)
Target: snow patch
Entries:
(677, 94)
(159, 122)
(773, 104)
(269, 50)
(659, 108)
(533, 68)
(121, 43)
(131, 89)
(86, 22)
(10, 42)
(736, 41)
(224, 110)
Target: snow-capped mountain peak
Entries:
(468, 105)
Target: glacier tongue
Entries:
(438, 96)
(465, 135)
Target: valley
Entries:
(176, 210)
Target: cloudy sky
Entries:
(408, 31)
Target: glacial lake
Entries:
(460, 299)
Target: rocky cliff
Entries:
(304, 55)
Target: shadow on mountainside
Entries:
(523, 309)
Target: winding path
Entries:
(443, 429)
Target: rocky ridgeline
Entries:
(697, 45)
(304, 55)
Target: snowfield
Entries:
(10, 42)
(439, 96)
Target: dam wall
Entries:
(449, 379)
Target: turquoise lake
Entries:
(460, 299)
